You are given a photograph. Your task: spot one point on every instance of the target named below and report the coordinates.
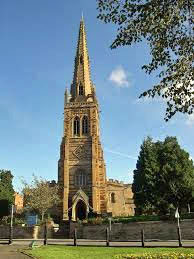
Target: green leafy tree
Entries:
(164, 176)
(6, 186)
(167, 27)
(144, 177)
(40, 195)
(176, 178)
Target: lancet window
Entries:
(81, 178)
(76, 126)
(85, 125)
(81, 89)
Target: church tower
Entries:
(81, 167)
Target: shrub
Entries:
(148, 218)
(5, 220)
(95, 221)
(187, 215)
(19, 221)
(133, 219)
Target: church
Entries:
(84, 188)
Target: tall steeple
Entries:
(81, 86)
(81, 168)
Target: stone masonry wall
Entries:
(123, 204)
(163, 230)
(20, 232)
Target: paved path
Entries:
(11, 252)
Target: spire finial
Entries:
(82, 17)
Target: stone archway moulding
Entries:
(80, 195)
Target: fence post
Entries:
(75, 237)
(107, 237)
(10, 235)
(11, 227)
(142, 238)
(45, 234)
(179, 236)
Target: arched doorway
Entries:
(81, 210)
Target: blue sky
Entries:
(37, 50)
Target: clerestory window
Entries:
(85, 125)
(76, 126)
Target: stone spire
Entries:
(81, 86)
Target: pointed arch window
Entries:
(81, 89)
(85, 125)
(80, 178)
(76, 126)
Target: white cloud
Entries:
(119, 77)
(190, 119)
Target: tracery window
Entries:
(85, 125)
(81, 89)
(112, 197)
(81, 178)
(76, 126)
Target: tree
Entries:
(176, 178)
(6, 192)
(40, 195)
(164, 176)
(144, 177)
(6, 186)
(167, 27)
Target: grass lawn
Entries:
(69, 252)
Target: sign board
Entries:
(31, 220)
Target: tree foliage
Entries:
(164, 176)
(167, 27)
(40, 195)
(6, 186)
(146, 170)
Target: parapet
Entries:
(114, 181)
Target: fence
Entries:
(107, 238)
